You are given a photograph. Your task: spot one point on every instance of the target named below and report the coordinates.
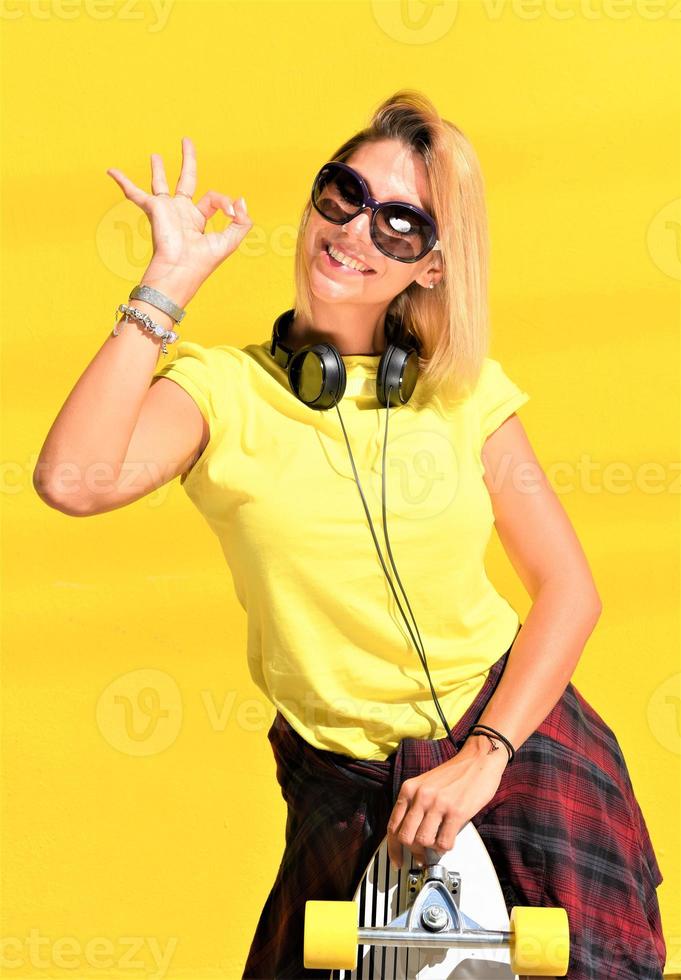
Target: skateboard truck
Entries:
(432, 918)
(538, 938)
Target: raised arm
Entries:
(121, 433)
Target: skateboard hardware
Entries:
(432, 918)
(421, 922)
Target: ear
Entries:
(432, 270)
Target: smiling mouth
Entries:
(334, 264)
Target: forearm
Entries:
(89, 437)
(543, 658)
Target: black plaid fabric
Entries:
(563, 829)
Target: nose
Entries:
(360, 225)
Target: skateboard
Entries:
(445, 920)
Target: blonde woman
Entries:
(374, 394)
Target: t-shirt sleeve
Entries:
(496, 397)
(200, 371)
(192, 369)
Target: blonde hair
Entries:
(451, 320)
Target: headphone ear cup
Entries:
(317, 375)
(398, 370)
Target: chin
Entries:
(324, 287)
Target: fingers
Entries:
(187, 182)
(395, 854)
(131, 191)
(239, 227)
(446, 835)
(212, 202)
(396, 817)
(411, 833)
(159, 184)
(242, 214)
(427, 830)
(399, 810)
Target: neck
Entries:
(351, 329)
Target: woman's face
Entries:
(392, 173)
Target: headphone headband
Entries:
(282, 353)
(316, 372)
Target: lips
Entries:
(326, 242)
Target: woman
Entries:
(373, 727)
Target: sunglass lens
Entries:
(401, 232)
(337, 194)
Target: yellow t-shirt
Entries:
(326, 642)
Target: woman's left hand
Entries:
(431, 808)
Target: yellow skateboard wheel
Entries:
(540, 941)
(330, 935)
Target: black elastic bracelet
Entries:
(486, 729)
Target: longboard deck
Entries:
(383, 894)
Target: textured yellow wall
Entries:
(141, 822)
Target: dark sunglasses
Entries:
(399, 230)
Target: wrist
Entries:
(172, 283)
(481, 748)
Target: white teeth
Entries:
(345, 260)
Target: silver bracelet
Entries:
(130, 311)
(155, 298)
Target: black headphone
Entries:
(317, 377)
(316, 372)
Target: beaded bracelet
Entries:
(145, 320)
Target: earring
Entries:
(431, 286)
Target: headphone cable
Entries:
(418, 646)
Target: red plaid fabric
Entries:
(563, 829)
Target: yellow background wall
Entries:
(141, 844)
